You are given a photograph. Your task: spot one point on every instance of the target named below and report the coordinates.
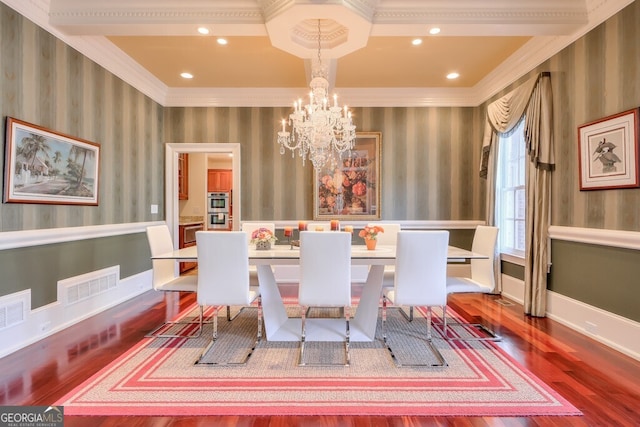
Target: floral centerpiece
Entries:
(263, 238)
(370, 235)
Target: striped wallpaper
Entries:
(595, 77)
(429, 159)
(45, 82)
(429, 155)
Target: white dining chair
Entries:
(325, 281)
(482, 278)
(390, 237)
(223, 279)
(420, 280)
(166, 279)
(249, 227)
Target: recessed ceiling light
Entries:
(203, 30)
(222, 41)
(416, 42)
(434, 31)
(186, 75)
(453, 75)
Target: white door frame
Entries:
(172, 207)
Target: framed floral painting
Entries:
(350, 189)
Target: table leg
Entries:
(366, 316)
(274, 311)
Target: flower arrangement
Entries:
(263, 235)
(370, 232)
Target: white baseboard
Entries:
(607, 328)
(54, 317)
(513, 288)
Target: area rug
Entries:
(157, 377)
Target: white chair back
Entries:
(250, 227)
(390, 234)
(164, 270)
(325, 269)
(484, 242)
(421, 268)
(223, 268)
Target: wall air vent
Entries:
(13, 309)
(80, 288)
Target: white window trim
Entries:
(512, 259)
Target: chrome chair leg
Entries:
(303, 336)
(432, 347)
(303, 333)
(167, 325)
(489, 334)
(215, 337)
(409, 316)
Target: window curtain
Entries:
(533, 100)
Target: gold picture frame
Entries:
(48, 167)
(351, 189)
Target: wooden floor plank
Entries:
(599, 381)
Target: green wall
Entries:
(40, 267)
(601, 276)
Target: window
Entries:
(510, 191)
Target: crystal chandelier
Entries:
(318, 130)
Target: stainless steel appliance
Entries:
(218, 208)
(218, 202)
(218, 220)
(188, 238)
(189, 233)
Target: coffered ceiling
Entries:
(365, 45)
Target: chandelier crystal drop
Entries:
(320, 130)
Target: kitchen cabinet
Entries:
(186, 238)
(183, 176)
(219, 180)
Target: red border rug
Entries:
(157, 378)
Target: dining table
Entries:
(280, 326)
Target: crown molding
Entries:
(103, 52)
(541, 48)
(100, 50)
(356, 97)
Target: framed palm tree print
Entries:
(48, 167)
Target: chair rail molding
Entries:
(26, 238)
(597, 236)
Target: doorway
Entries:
(172, 208)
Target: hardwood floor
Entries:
(601, 382)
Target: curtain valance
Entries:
(532, 100)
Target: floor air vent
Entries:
(504, 302)
(80, 288)
(13, 309)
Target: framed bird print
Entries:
(608, 152)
